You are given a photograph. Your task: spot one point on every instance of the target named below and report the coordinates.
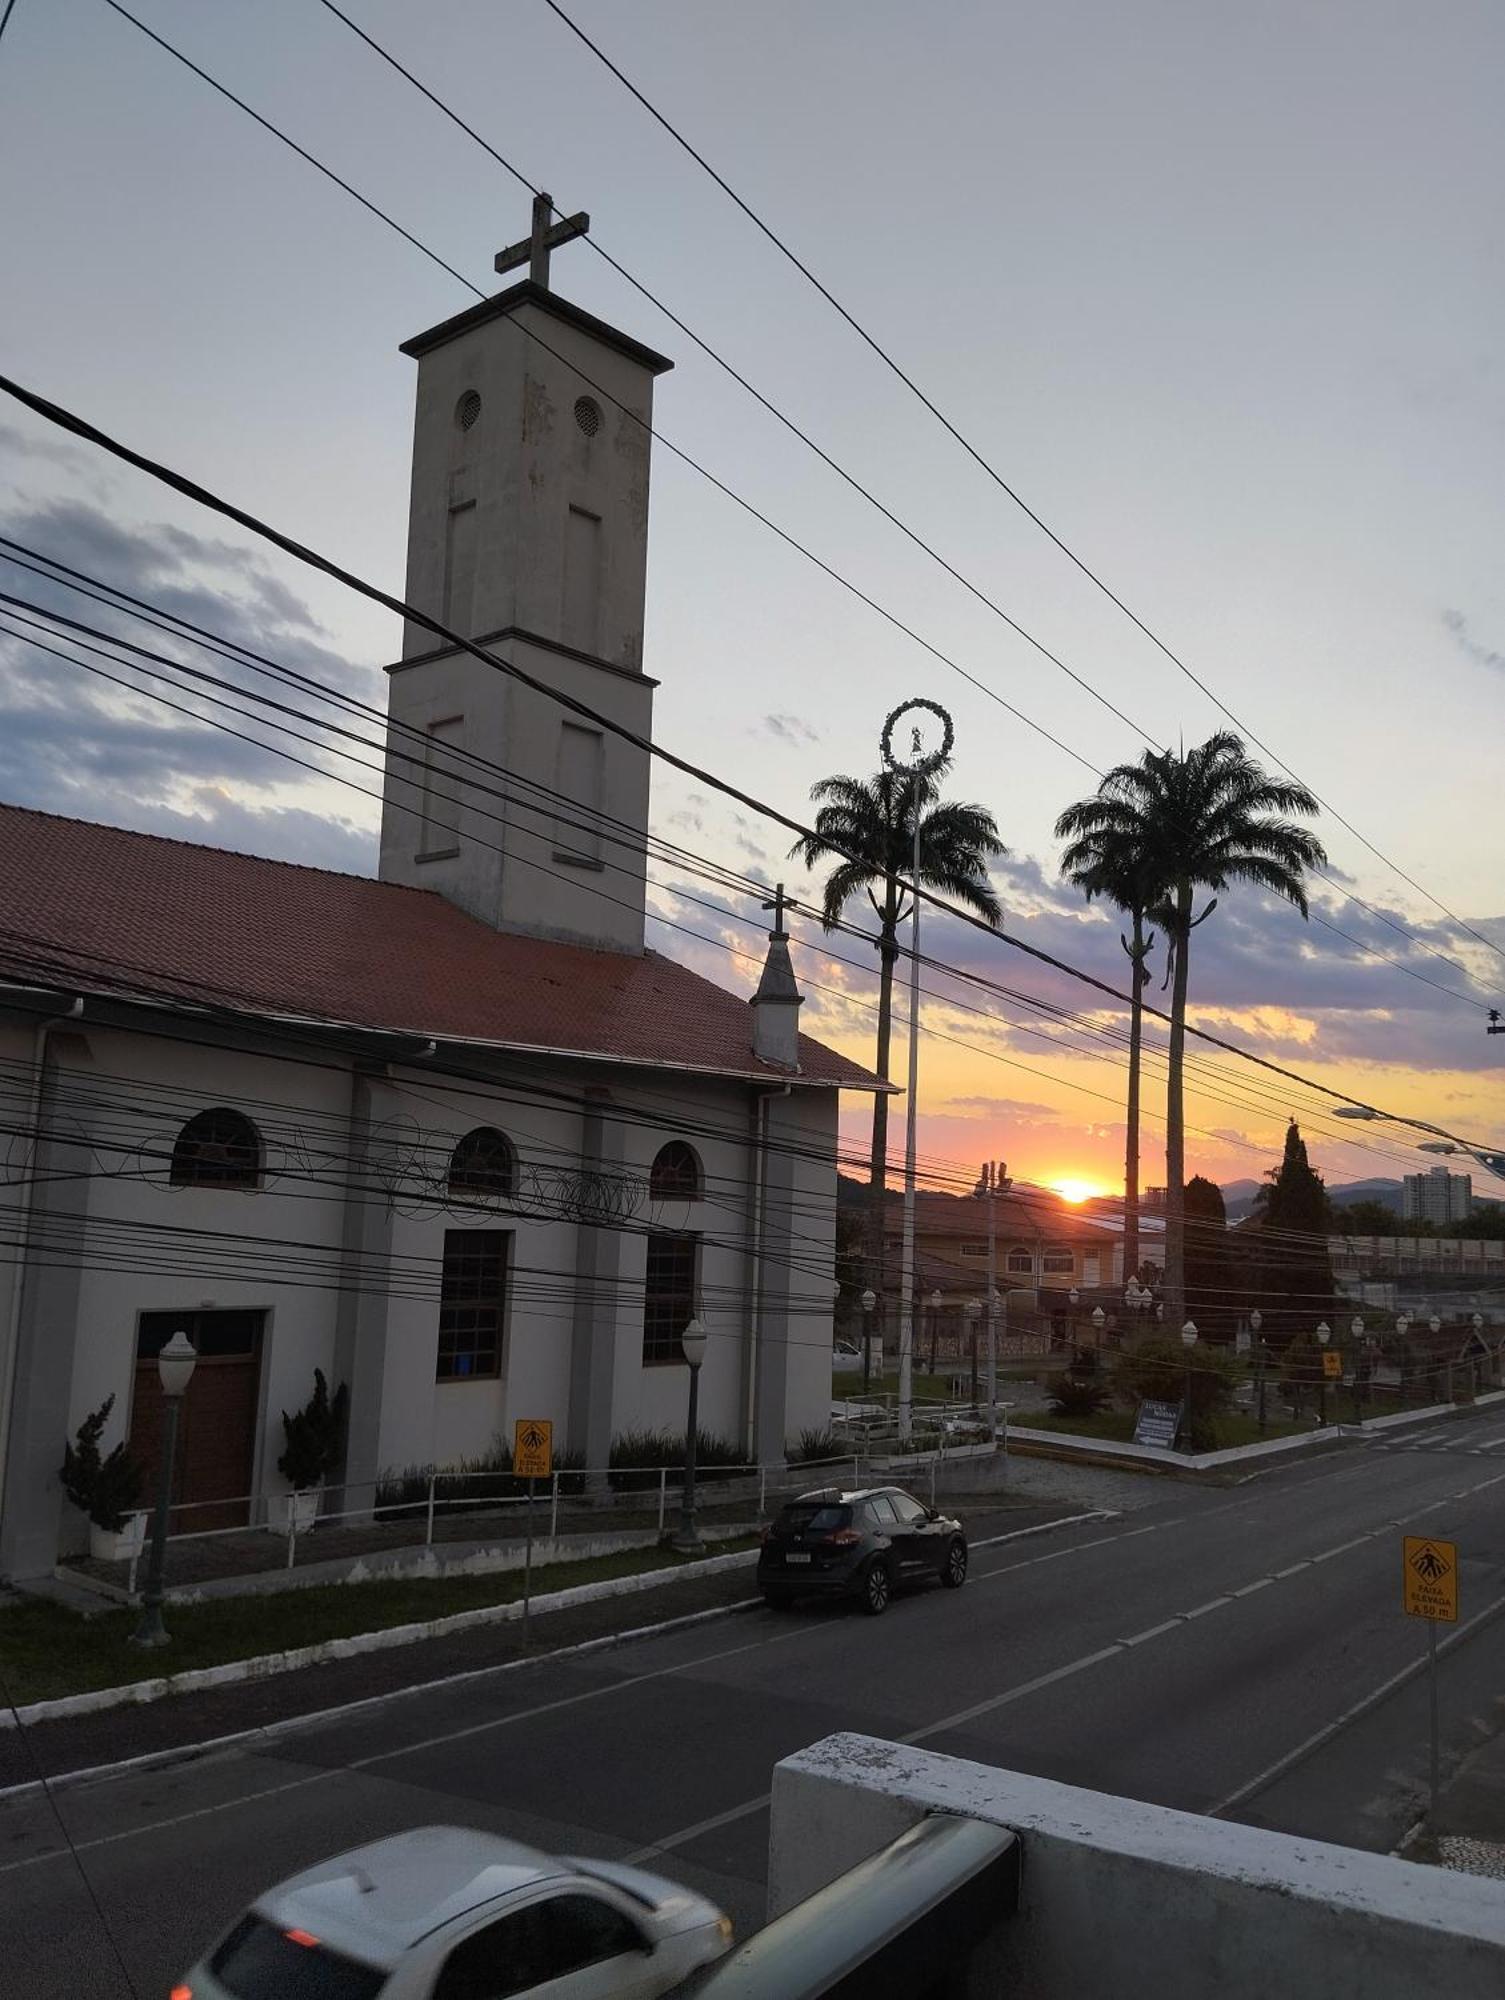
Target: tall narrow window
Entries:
(668, 1295)
(460, 567)
(675, 1173)
(577, 780)
(442, 786)
(472, 1303)
(1020, 1261)
(582, 581)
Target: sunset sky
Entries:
(1217, 291)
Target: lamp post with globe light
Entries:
(974, 1314)
(869, 1300)
(1256, 1322)
(686, 1538)
(1189, 1342)
(175, 1366)
(936, 1305)
(1324, 1335)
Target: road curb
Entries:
(262, 1665)
(268, 1732)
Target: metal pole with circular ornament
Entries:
(175, 1366)
(930, 736)
(937, 1304)
(974, 1314)
(1189, 1342)
(686, 1537)
(869, 1300)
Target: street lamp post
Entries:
(936, 1304)
(974, 1314)
(686, 1538)
(1324, 1335)
(1073, 1300)
(1356, 1328)
(869, 1300)
(1256, 1321)
(916, 765)
(175, 1365)
(1189, 1342)
(1099, 1321)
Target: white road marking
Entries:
(1350, 1715)
(1009, 1695)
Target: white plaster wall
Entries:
(813, 1114)
(1115, 1891)
(147, 1089)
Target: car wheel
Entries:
(954, 1575)
(877, 1588)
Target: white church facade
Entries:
(452, 1136)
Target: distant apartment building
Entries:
(1437, 1196)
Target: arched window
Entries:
(676, 1173)
(1020, 1261)
(217, 1149)
(483, 1166)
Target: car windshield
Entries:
(257, 1961)
(817, 1517)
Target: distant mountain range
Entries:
(1238, 1196)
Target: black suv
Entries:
(862, 1544)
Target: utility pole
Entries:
(989, 1182)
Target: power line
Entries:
(1241, 1103)
(81, 428)
(992, 472)
(730, 493)
(857, 486)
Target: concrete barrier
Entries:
(1119, 1897)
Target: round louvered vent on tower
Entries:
(588, 415)
(467, 409)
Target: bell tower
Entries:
(528, 534)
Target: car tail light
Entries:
(844, 1538)
(764, 1533)
(181, 1993)
(305, 1938)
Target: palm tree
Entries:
(1099, 866)
(1198, 819)
(868, 825)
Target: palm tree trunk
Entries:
(1173, 1292)
(888, 955)
(1131, 1107)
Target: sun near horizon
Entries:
(1075, 1190)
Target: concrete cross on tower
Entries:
(779, 903)
(535, 248)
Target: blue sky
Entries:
(1218, 290)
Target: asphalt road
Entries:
(1206, 1651)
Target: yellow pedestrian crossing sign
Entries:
(1430, 1573)
(533, 1448)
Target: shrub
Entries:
(314, 1436)
(636, 1457)
(815, 1446)
(402, 1491)
(1154, 1370)
(107, 1489)
(1078, 1396)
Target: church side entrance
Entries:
(217, 1425)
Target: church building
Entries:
(454, 1136)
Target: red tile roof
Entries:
(95, 908)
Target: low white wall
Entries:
(1120, 1897)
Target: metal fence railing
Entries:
(582, 1501)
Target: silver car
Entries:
(446, 1913)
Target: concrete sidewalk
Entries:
(1467, 1832)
